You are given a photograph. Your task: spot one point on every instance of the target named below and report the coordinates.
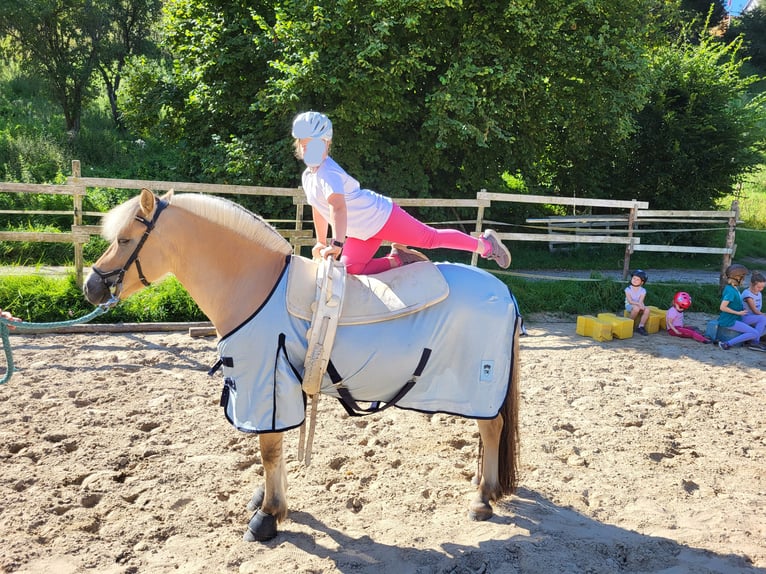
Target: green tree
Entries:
(699, 133)
(428, 97)
(129, 33)
(752, 26)
(66, 41)
(700, 9)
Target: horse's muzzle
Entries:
(96, 289)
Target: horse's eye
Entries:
(123, 241)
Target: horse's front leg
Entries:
(273, 509)
(489, 484)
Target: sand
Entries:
(639, 455)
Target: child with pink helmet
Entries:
(674, 319)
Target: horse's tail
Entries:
(508, 455)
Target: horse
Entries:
(233, 264)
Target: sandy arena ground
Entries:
(638, 455)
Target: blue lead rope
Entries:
(21, 326)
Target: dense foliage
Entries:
(698, 134)
(68, 42)
(426, 97)
(607, 99)
(445, 98)
(752, 27)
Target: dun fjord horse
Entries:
(456, 354)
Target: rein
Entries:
(5, 326)
(116, 287)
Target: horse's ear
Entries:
(168, 196)
(146, 202)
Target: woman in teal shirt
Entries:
(732, 307)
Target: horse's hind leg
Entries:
(273, 504)
(489, 485)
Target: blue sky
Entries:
(734, 7)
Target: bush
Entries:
(40, 299)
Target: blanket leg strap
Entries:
(353, 409)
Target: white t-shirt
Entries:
(634, 295)
(367, 211)
(756, 297)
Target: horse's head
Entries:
(119, 271)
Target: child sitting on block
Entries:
(733, 311)
(674, 319)
(753, 298)
(634, 299)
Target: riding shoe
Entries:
(405, 255)
(498, 252)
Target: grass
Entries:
(39, 299)
(590, 298)
(751, 196)
(53, 299)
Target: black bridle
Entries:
(115, 287)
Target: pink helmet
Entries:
(683, 300)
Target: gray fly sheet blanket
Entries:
(450, 353)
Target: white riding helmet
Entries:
(312, 125)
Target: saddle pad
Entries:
(369, 298)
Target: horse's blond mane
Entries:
(216, 209)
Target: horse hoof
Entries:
(479, 511)
(262, 527)
(257, 500)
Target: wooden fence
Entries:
(622, 229)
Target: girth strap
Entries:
(352, 407)
(331, 286)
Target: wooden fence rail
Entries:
(621, 228)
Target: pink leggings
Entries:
(401, 227)
(687, 333)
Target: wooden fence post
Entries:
(77, 197)
(629, 247)
(730, 244)
(479, 223)
(299, 209)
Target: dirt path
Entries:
(642, 455)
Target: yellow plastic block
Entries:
(582, 325)
(652, 323)
(601, 330)
(591, 326)
(622, 327)
(661, 313)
